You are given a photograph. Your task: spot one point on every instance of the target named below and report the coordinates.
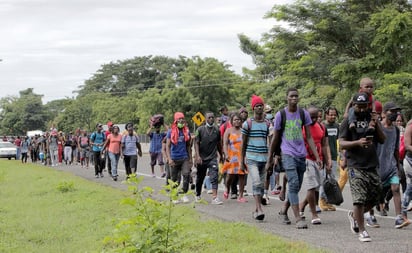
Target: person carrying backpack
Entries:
(288, 138)
(254, 152)
(97, 140)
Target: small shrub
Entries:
(65, 186)
(151, 227)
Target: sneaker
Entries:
(400, 222)
(302, 215)
(372, 222)
(265, 200)
(101, 175)
(364, 237)
(198, 199)
(301, 224)
(233, 196)
(153, 175)
(245, 193)
(383, 212)
(242, 200)
(114, 178)
(164, 174)
(259, 216)
(185, 199)
(284, 218)
(209, 191)
(353, 224)
(216, 201)
(96, 176)
(318, 210)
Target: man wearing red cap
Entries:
(254, 152)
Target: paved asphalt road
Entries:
(333, 234)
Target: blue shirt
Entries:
(178, 151)
(130, 143)
(98, 138)
(156, 142)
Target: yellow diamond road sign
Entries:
(198, 118)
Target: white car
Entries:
(8, 150)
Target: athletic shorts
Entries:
(313, 176)
(156, 157)
(365, 186)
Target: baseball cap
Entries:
(361, 98)
(390, 106)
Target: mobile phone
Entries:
(369, 137)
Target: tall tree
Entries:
(23, 113)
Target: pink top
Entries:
(114, 143)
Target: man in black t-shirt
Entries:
(207, 144)
(362, 163)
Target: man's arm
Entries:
(220, 150)
(198, 159)
(168, 153)
(149, 131)
(379, 132)
(272, 149)
(139, 148)
(408, 137)
(326, 153)
(243, 151)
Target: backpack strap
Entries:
(249, 124)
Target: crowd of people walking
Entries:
(371, 147)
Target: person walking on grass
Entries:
(207, 145)
(362, 162)
(24, 148)
(289, 137)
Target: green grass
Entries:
(44, 210)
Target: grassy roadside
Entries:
(44, 210)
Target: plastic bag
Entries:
(332, 191)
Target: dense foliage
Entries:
(321, 47)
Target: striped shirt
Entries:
(257, 147)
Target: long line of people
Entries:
(368, 148)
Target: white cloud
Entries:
(53, 46)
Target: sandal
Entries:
(316, 221)
(226, 195)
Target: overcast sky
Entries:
(53, 46)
